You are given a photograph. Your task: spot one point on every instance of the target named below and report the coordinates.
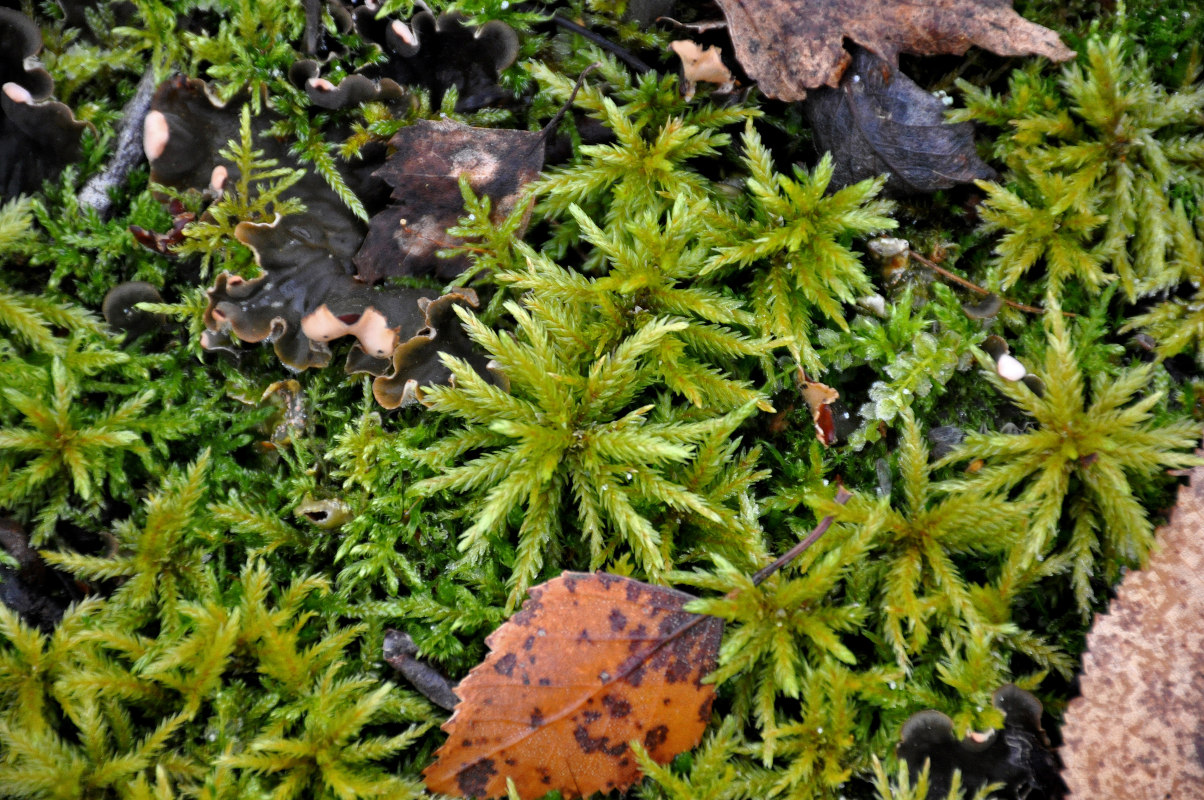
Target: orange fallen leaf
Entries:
(591, 662)
(790, 46)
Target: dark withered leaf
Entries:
(592, 662)
(424, 173)
(879, 121)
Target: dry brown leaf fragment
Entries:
(702, 65)
(819, 397)
(790, 46)
(1137, 730)
(424, 173)
(591, 662)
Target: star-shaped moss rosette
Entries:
(38, 136)
(1017, 756)
(445, 52)
(424, 172)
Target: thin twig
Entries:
(842, 497)
(555, 121)
(974, 287)
(606, 44)
(128, 153)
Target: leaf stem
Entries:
(974, 287)
(842, 497)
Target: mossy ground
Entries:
(219, 645)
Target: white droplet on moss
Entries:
(1009, 368)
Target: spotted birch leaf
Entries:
(592, 663)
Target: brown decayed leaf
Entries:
(819, 397)
(790, 46)
(424, 173)
(702, 65)
(592, 662)
(1137, 730)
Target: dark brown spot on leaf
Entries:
(600, 744)
(505, 665)
(617, 620)
(616, 706)
(655, 737)
(473, 779)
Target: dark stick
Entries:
(606, 44)
(974, 287)
(401, 653)
(128, 153)
(842, 497)
(551, 126)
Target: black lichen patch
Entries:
(617, 620)
(1017, 756)
(348, 93)
(416, 361)
(38, 136)
(120, 309)
(444, 53)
